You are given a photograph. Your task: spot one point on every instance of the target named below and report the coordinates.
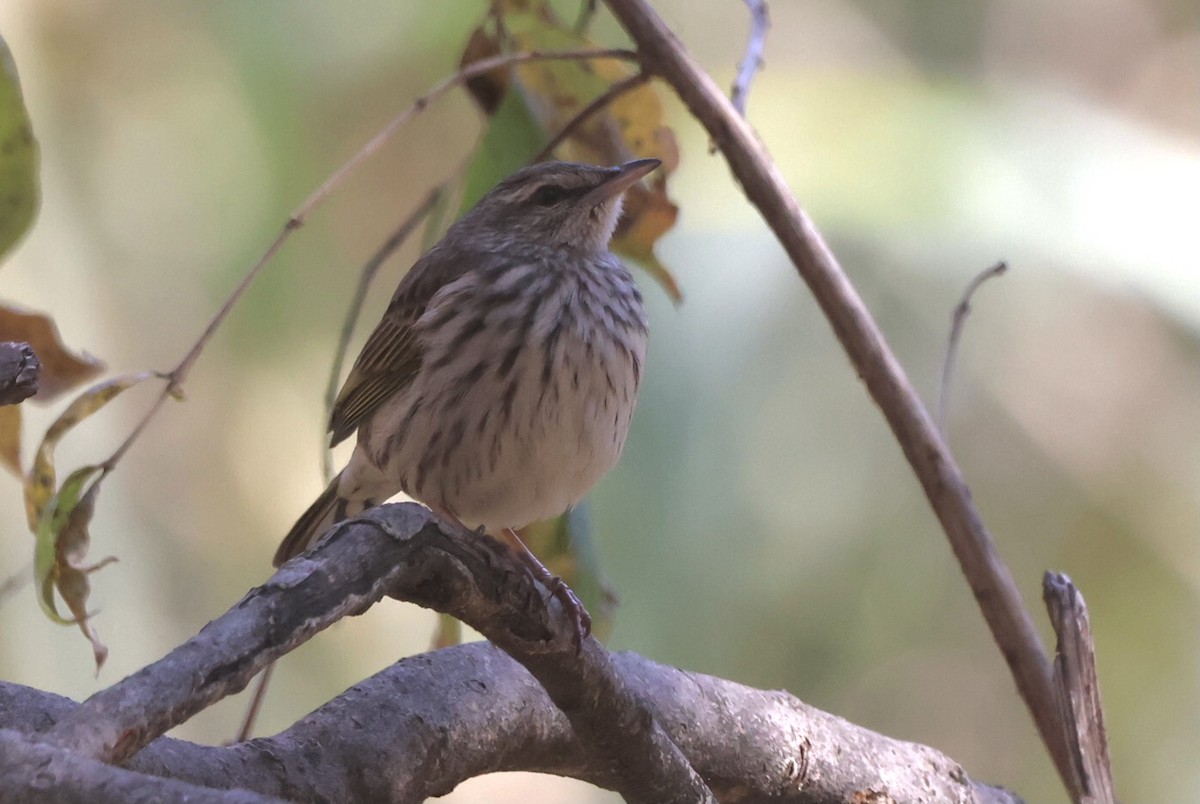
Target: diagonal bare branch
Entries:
(990, 580)
(298, 218)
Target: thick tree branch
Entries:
(423, 560)
(19, 372)
(989, 577)
(36, 773)
(422, 726)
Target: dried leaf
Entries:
(40, 484)
(61, 369)
(19, 195)
(10, 438)
(553, 93)
(61, 550)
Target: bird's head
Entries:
(559, 203)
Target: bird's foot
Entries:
(580, 619)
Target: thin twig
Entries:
(587, 11)
(365, 277)
(991, 580)
(961, 311)
(176, 376)
(463, 75)
(597, 104)
(752, 61)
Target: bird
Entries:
(500, 383)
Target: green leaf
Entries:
(61, 548)
(19, 195)
(513, 138)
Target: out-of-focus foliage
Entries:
(762, 524)
(18, 157)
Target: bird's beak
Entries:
(619, 180)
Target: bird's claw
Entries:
(580, 619)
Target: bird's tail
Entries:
(329, 509)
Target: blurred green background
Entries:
(763, 525)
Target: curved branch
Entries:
(989, 577)
(402, 551)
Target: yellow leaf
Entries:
(61, 370)
(40, 483)
(554, 92)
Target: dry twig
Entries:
(1078, 687)
(752, 61)
(176, 376)
(959, 317)
(597, 104)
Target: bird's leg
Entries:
(557, 586)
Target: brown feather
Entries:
(311, 524)
(391, 356)
(389, 361)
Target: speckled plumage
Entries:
(499, 386)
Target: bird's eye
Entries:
(549, 194)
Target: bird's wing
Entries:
(391, 356)
(388, 362)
